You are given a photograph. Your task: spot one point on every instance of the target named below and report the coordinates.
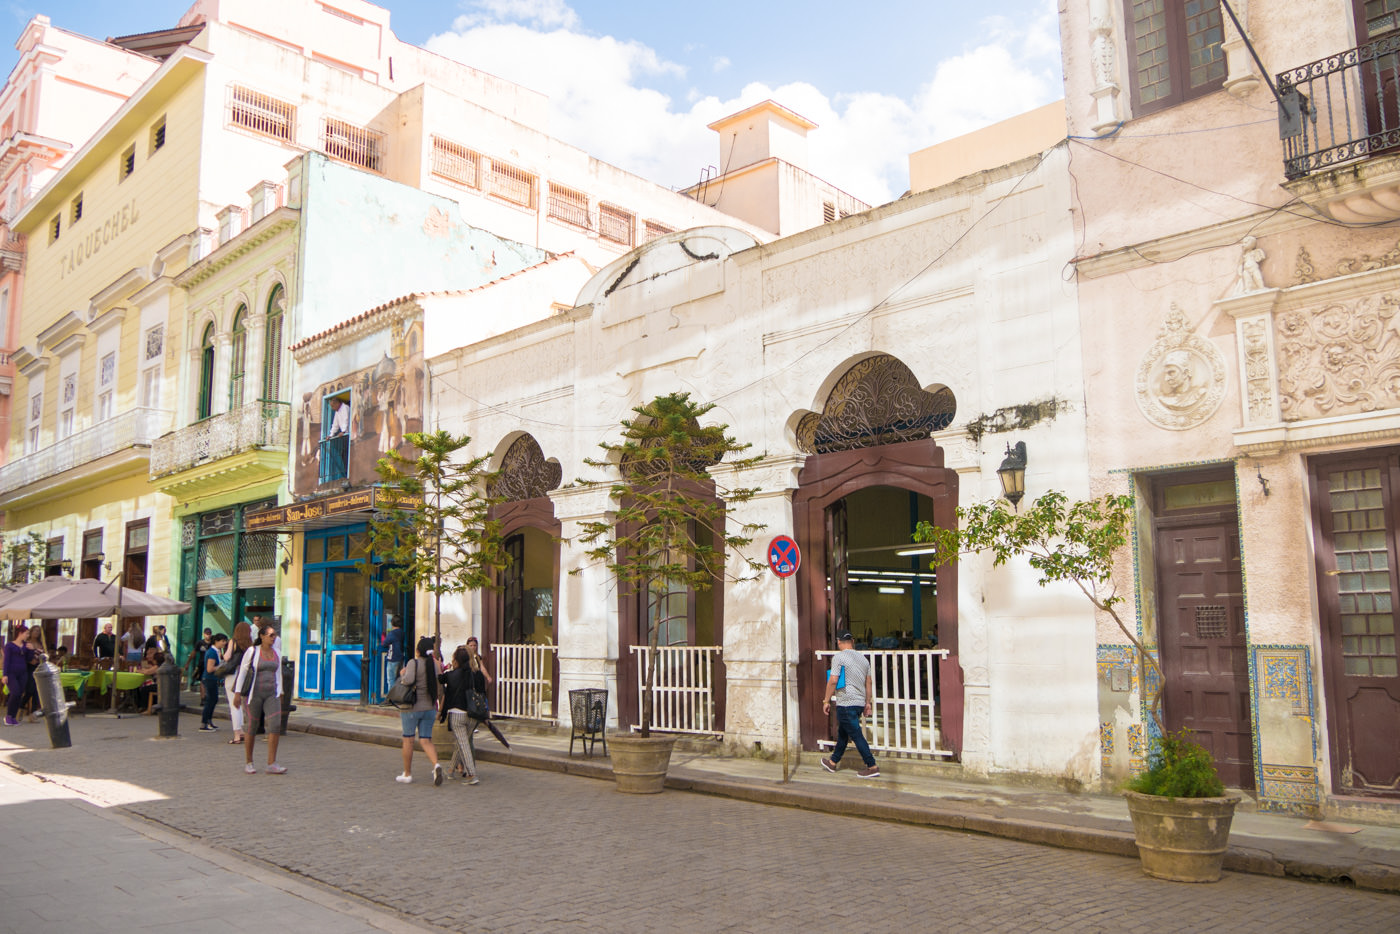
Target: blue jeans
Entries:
(211, 698)
(391, 670)
(848, 730)
(422, 719)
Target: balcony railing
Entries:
(249, 427)
(1340, 109)
(137, 427)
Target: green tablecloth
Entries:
(99, 680)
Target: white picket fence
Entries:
(684, 687)
(902, 719)
(523, 674)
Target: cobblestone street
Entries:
(532, 851)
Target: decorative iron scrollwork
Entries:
(525, 474)
(877, 401)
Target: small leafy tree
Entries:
(1064, 541)
(23, 555)
(435, 533)
(665, 531)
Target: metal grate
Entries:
(456, 163)
(1211, 622)
(511, 184)
(353, 144)
(261, 113)
(616, 224)
(568, 205)
(655, 230)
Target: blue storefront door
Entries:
(341, 614)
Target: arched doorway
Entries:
(519, 627)
(873, 471)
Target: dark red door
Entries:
(1204, 653)
(1356, 521)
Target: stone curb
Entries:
(1245, 859)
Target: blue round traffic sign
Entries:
(783, 556)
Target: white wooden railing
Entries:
(523, 676)
(684, 698)
(902, 718)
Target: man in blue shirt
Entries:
(213, 656)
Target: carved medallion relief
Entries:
(1181, 379)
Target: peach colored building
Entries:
(1243, 378)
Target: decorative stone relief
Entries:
(1303, 267)
(1103, 56)
(1181, 380)
(524, 472)
(1258, 371)
(876, 401)
(1367, 263)
(1340, 359)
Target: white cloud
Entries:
(601, 101)
(720, 64)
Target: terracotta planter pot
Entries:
(639, 764)
(1181, 839)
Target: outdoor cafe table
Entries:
(97, 681)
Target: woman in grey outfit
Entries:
(422, 673)
(259, 686)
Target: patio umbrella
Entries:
(69, 598)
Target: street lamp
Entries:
(1012, 474)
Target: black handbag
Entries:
(403, 693)
(478, 708)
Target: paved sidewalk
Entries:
(1366, 855)
(81, 868)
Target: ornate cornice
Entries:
(373, 321)
(255, 236)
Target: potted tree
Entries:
(432, 528)
(1181, 815)
(667, 541)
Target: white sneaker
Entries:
(251, 769)
(472, 780)
(437, 775)
(403, 779)
(276, 769)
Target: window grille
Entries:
(353, 144)
(568, 205)
(615, 224)
(261, 114)
(828, 212)
(1211, 622)
(456, 163)
(655, 230)
(512, 184)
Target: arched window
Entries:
(206, 372)
(238, 358)
(272, 350)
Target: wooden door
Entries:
(1378, 32)
(838, 606)
(513, 591)
(1203, 644)
(1355, 505)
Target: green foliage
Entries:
(24, 557)
(448, 544)
(1178, 768)
(669, 532)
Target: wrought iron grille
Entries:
(261, 114)
(616, 224)
(353, 144)
(1340, 108)
(877, 401)
(568, 205)
(525, 474)
(255, 425)
(457, 163)
(512, 184)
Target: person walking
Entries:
(392, 646)
(235, 649)
(16, 672)
(851, 701)
(258, 687)
(213, 657)
(456, 683)
(422, 673)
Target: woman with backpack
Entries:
(422, 673)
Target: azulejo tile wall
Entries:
(1285, 728)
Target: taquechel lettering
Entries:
(112, 228)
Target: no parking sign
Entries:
(783, 556)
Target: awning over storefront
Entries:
(328, 511)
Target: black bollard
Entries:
(168, 696)
(50, 691)
(289, 681)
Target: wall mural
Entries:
(386, 403)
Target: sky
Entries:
(636, 84)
